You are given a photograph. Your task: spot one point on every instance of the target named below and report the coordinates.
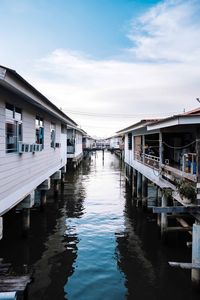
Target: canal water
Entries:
(92, 243)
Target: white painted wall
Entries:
(128, 154)
(21, 173)
(78, 144)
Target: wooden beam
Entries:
(178, 228)
(183, 265)
(176, 209)
(184, 224)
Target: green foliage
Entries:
(186, 189)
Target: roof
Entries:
(5, 80)
(186, 118)
(137, 125)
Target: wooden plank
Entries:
(178, 228)
(183, 265)
(175, 209)
(179, 173)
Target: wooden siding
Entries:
(20, 170)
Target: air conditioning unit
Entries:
(23, 147)
(36, 147)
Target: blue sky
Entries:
(107, 63)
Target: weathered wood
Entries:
(178, 228)
(14, 283)
(178, 173)
(164, 220)
(176, 209)
(184, 224)
(195, 274)
(184, 265)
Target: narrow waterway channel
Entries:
(92, 243)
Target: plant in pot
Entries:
(187, 192)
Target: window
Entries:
(13, 127)
(53, 135)
(39, 131)
(130, 141)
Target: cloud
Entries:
(161, 75)
(168, 32)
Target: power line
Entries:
(117, 115)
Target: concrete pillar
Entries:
(25, 221)
(144, 192)
(139, 188)
(164, 221)
(43, 199)
(195, 274)
(56, 186)
(56, 177)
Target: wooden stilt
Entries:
(144, 192)
(43, 199)
(164, 221)
(195, 274)
(25, 221)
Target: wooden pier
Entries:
(12, 285)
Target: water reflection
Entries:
(93, 243)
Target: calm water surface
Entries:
(91, 243)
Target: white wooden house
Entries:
(74, 145)
(115, 142)
(166, 153)
(33, 140)
(88, 142)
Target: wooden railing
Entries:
(152, 161)
(147, 159)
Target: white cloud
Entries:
(168, 32)
(168, 83)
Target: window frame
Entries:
(14, 118)
(39, 126)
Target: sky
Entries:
(106, 63)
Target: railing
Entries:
(152, 161)
(147, 159)
(70, 149)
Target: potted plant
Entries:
(187, 192)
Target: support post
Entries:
(1, 228)
(160, 150)
(135, 175)
(158, 203)
(56, 177)
(25, 221)
(144, 192)
(43, 199)
(139, 188)
(164, 221)
(56, 186)
(195, 274)
(198, 165)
